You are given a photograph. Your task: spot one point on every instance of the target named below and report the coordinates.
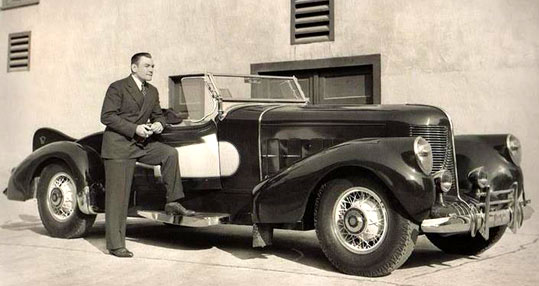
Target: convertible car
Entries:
(368, 178)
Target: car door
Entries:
(195, 137)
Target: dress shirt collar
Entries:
(137, 81)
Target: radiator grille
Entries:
(442, 149)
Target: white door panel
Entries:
(208, 158)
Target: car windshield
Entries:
(257, 88)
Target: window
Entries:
(8, 4)
(190, 99)
(311, 21)
(19, 52)
(347, 80)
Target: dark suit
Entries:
(124, 108)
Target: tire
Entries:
(57, 203)
(465, 244)
(386, 245)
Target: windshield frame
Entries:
(215, 90)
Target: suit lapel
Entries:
(135, 92)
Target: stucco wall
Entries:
(479, 60)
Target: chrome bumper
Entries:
(466, 223)
(479, 218)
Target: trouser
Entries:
(119, 177)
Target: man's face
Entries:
(144, 69)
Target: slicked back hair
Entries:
(136, 57)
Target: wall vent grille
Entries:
(19, 52)
(312, 21)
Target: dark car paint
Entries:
(176, 136)
(44, 136)
(240, 128)
(295, 128)
(489, 152)
(283, 198)
(317, 127)
(85, 163)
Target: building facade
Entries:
(478, 60)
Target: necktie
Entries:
(144, 90)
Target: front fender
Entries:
(283, 198)
(84, 162)
(489, 152)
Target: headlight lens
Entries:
(514, 148)
(444, 179)
(479, 177)
(423, 155)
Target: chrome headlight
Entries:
(423, 155)
(479, 177)
(444, 179)
(514, 148)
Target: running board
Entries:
(200, 219)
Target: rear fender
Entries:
(84, 162)
(283, 198)
(45, 136)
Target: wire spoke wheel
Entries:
(360, 228)
(57, 203)
(61, 199)
(360, 220)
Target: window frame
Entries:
(10, 4)
(313, 64)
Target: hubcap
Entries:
(56, 197)
(360, 220)
(354, 221)
(61, 198)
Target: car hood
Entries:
(388, 115)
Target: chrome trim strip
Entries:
(270, 100)
(284, 156)
(260, 134)
(496, 202)
(251, 75)
(502, 192)
(299, 88)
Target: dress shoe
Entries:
(121, 252)
(175, 208)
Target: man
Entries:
(129, 105)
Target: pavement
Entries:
(222, 255)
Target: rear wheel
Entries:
(57, 203)
(465, 244)
(359, 229)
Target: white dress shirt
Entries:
(137, 81)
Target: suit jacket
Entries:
(123, 109)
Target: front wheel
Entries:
(57, 203)
(359, 229)
(465, 244)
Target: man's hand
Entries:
(157, 127)
(144, 131)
